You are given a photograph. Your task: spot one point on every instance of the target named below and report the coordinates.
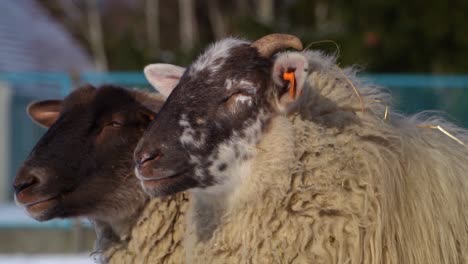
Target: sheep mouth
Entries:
(157, 175)
(163, 178)
(41, 205)
(40, 201)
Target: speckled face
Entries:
(211, 122)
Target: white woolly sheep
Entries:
(305, 172)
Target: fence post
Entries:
(5, 99)
(78, 237)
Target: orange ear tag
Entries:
(289, 76)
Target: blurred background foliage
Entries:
(395, 36)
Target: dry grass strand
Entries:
(441, 129)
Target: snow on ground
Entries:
(46, 259)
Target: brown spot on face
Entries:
(200, 121)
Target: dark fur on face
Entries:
(217, 111)
(82, 166)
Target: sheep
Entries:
(310, 169)
(83, 167)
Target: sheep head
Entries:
(83, 165)
(217, 113)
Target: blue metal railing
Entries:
(65, 83)
(420, 80)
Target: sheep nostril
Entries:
(145, 158)
(20, 186)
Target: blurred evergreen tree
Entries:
(382, 35)
(405, 35)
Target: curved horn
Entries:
(270, 44)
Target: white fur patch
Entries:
(188, 134)
(228, 84)
(241, 84)
(243, 99)
(245, 84)
(194, 160)
(232, 160)
(213, 58)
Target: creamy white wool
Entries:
(333, 184)
(157, 236)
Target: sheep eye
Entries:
(238, 101)
(237, 94)
(115, 124)
(231, 95)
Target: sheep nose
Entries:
(145, 158)
(25, 179)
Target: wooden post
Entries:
(265, 11)
(187, 24)
(5, 173)
(95, 35)
(152, 26)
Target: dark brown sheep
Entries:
(82, 166)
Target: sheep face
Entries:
(82, 165)
(216, 115)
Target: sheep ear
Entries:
(290, 71)
(163, 77)
(45, 113)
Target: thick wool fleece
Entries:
(334, 184)
(157, 236)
